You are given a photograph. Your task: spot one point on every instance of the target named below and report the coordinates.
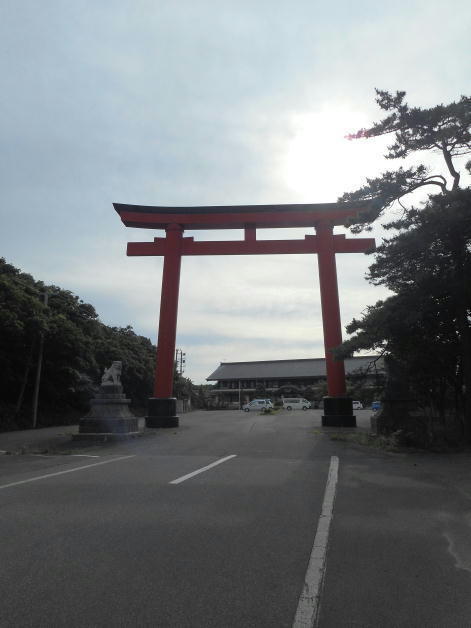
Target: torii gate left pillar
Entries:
(162, 406)
(162, 411)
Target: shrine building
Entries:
(236, 382)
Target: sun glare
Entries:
(320, 163)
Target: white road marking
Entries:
(64, 455)
(308, 605)
(51, 475)
(202, 470)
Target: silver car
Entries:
(261, 405)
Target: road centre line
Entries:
(51, 475)
(308, 605)
(198, 471)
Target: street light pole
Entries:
(38, 370)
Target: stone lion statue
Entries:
(112, 374)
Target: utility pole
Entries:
(38, 369)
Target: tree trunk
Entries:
(465, 334)
(19, 401)
(463, 267)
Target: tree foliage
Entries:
(425, 324)
(424, 327)
(443, 129)
(77, 347)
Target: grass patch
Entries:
(386, 443)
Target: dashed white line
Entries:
(64, 455)
(202, 470)
(308, 605)
(51, 475)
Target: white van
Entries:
(357, 405)
(296, 403)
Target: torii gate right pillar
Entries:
(338, 410)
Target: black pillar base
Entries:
(162, 412)
(338, 412)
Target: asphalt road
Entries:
(109, 540)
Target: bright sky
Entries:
(197, 102)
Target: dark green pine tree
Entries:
(443, 129)
(424, 328)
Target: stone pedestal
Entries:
(162, 412)
(338, 412)
(109, 416)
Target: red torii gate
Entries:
(174, 220)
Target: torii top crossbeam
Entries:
(237, 216)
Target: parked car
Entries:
(262, 405)
(357, 405)
(296, 403)
(375, 405)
